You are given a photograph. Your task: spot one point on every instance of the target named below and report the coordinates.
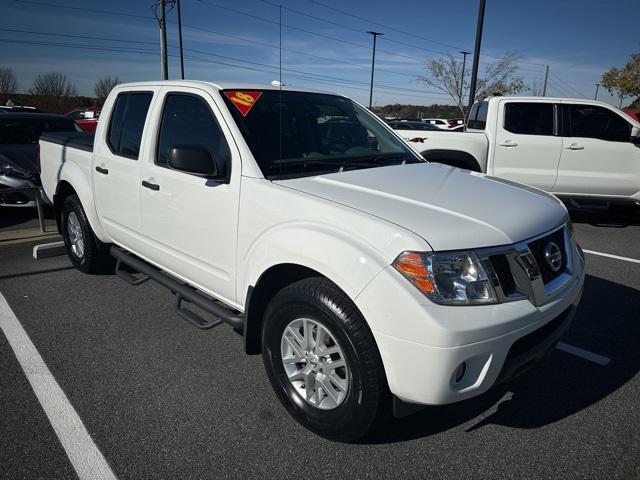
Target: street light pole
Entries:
(373, 64)
(546, 77)
(476, 54)
(180, 40)
(464, 64)
(596, 95)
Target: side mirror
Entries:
(635, 134)
(192, 159)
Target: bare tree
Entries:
(8, 83)
(103, 86)
(445, 74)
(53, 84)
(536, 88)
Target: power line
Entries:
(298, 52)
(83, 9)
(293, 27)
(353, 15)
(254, 65)
(572, 88)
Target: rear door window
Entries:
(478, 116)
(528, 118)
(127, 123)
(592, 121)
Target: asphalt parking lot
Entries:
(161, 399)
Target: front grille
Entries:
(537, 248)
(503, 272)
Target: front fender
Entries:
(347, 261)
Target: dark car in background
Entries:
(19, 134)
(411, 125)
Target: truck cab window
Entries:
(127, 123)
(188, 120)
(478, 116)
(592, 121)
(529, 118)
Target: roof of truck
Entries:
(219, 85)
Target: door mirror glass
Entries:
(192, 159)
(635, 134)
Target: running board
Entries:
(183, 292)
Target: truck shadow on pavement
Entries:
(560, 386)
(618, 218)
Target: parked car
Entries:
(441, 123)
(18, 109)
(85, 118)
(368, 278)
(19, 134)
(582, 150)
(407, 125)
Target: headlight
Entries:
(450, 278)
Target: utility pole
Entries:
(163, 41)
(546, 77)
(180, 40)
(476, 54)
(464, 64)
(373, 64)
(596, 95)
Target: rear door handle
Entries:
(575, 146)
(151, 186)
(508, 143)
(103, 171)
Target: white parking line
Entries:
(86, 458)
(579, 352)
(609, 255)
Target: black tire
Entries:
(368, 400)
(95, 257)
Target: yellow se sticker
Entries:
(243, 100)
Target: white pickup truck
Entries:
(587, 152)
(369, 279)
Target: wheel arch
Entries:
(65, 187)
(454, 158)
(274, 279)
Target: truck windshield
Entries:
(296, 134)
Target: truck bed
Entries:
(64, 156)
(81, 140)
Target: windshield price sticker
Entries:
(243, 100)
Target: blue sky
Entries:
(577, 39)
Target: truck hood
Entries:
(448, 207)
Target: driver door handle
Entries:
(150, 186)
(508, 143)
(575, 146)
(102, 170)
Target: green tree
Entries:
(623, 82)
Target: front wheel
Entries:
(323, 362)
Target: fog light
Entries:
(460, 371)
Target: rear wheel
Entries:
(323, 362)
(86, 252)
